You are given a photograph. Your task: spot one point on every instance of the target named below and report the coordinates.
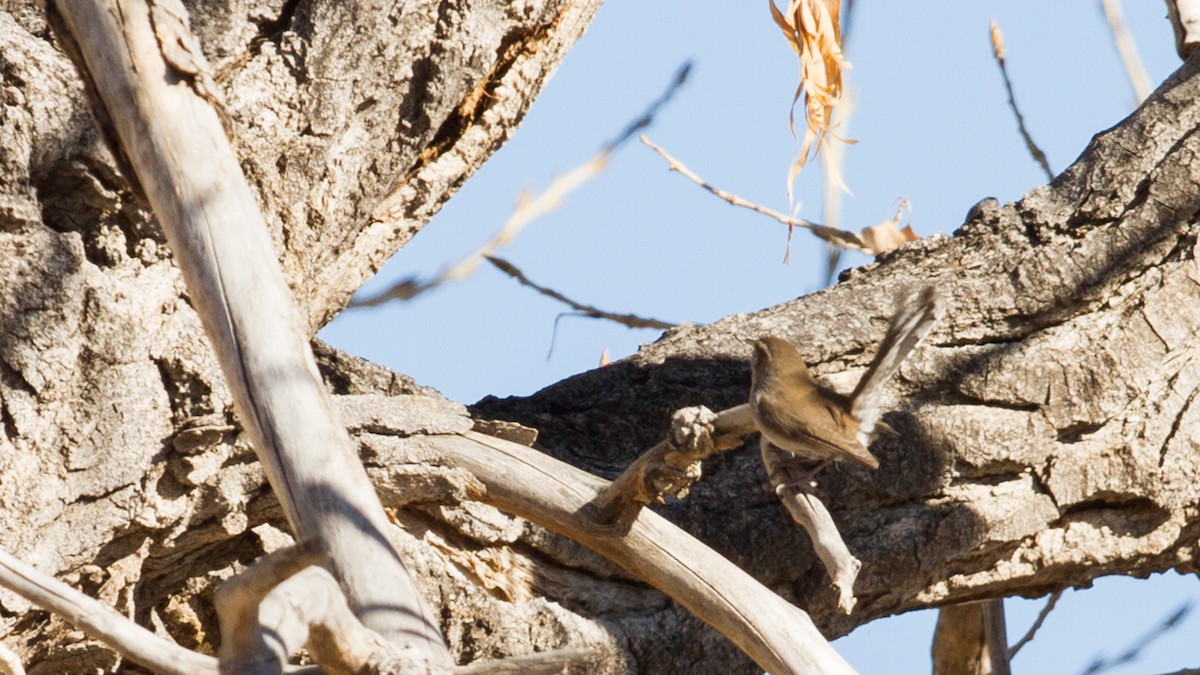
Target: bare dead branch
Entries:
(305, 609)
(970, 639)
(529, 209)
(150, 80)
(960, 641)
(998, 52)
(10, 663)
(995, 634)
(793, 487)
(778, 636)
(1127, 48)
(118, 632)
(288, 603)
(834, 236)
(541, 663)
(671, 466)
(1185, 20)
(244, 645)
(284, 602)
(1143, 642)
(628, 320)
(1037, 624)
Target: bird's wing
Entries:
(850, 445)
(817, 436)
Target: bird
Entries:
(797, 414)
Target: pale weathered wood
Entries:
(1048, 431)
(307, 609)
(672, 465)
(154, 95)
(118, 632)
(1185, 19)
(277, 606)
(542, 663)
(996, 631)
(262, 628)
(795, 490)
(778, 636)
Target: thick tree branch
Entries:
(146, 73)
(1046, 433)
(778, 636)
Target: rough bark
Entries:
(1048, 428)
(354, 122)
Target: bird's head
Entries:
(775, 355)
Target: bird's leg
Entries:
(784, 473)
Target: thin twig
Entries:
(1037, 624)
(835, 158)
(1138, 78)
(833, 162)
(629, 320)
(1134, 651)
(100, 621)
(998, 52)
(647, 117)
(835, 236)
(528, 208)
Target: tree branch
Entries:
(521, 481)
(147, 74)
(118, 632)
(1045, 433)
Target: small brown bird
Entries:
(797, 414)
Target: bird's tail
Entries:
(915, 315)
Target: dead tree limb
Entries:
(1047, 432)
(159, 110)
(778, 636)
(131, 640)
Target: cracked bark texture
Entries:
(1048, 428)
(1049, 432)
(121, 467)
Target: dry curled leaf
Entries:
(812, 28)
(997, 40)
(887, 235)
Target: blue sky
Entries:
(932, 126)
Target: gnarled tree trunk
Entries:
(1047, 429)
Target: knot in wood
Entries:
(692, 431)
